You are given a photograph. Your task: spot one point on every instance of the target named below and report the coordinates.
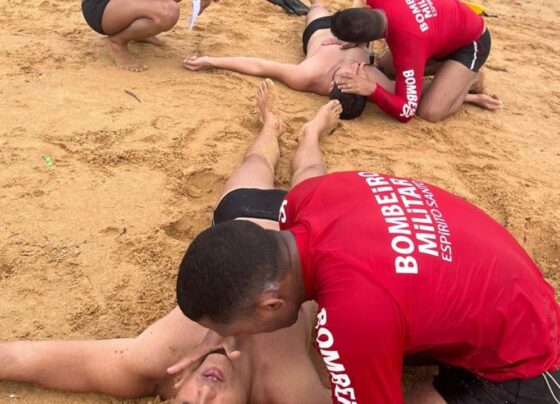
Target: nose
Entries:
(206, 394)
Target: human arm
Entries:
(127, 367)
(294, 76)
(361, 339)
(409, 63)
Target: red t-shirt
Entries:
(417, 31)
(400, 267)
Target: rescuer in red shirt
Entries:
(400, 269)
(446, 33)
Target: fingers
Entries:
(179, 366)
(348, 45)
(332, 41)
(233, 355)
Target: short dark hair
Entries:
(352, 104)
(357, 25)
(224, 270)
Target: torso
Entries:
(436, 273)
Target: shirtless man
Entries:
(123, 21)
(316, 73)
(274, 367)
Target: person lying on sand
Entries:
(318, 71)
(446, 32)
(315, 73)
(274, 367)
(400, 269)
(123, 21)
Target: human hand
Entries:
(212, 341)
(342, 44)
(355, 82)
(194, 62)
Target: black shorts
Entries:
(251, 203)
(93, 13)
(459, 386)
(474, 55)
(314, 26)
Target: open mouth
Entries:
(213, 374)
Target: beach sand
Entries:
(90, 245)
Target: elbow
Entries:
(404, 119)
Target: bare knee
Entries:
(431, 113)
(256, 158)
(165, 14)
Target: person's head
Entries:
(215, 380)
(358, 25)
(235, 279)
(352, 104)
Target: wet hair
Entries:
(225, 269)
(357, 25)
(352, 104)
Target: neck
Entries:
(290, 258)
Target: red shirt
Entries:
(400, 267)
(417, 31)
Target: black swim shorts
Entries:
(459, 386)
(473, 55)
(93, 13)
(314, 26)
(250, 203)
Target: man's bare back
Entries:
(313, 74)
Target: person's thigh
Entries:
(424, 394)
(450, 84)
(119, 14)
(316, 11)
(254, 172)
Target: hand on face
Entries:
(342, 44)
(194, 62)
(212, 341)
(355, 81)
(215, 381)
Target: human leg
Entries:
(308, 159)
(449, 90)
(128, 20)
(317, 10)
(261, 157)
(424, 394)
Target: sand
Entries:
(89, 246)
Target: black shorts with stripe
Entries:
(474, 55)
(250, 203)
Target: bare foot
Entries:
(122, 57)
(267, 102)
(326, 119)
(478, 86)
(491, 102)
(154, 40)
